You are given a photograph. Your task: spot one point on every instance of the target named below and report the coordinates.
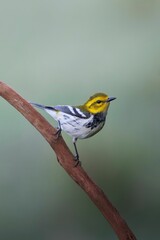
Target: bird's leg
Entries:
(76, 157)
(59, 130)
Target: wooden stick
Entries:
(66, 160)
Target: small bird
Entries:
(82, 121)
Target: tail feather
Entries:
(42, 106)
(50, 110)
(38, 105)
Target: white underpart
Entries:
(52, 113)
(74, 126)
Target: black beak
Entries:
(110, 99)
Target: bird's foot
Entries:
(58, 133)
(77, 161)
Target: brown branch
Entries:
(65, 158)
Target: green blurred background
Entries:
(61, 52)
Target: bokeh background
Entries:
(61, 52)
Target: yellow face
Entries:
(98, 103)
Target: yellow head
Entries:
(97, 103)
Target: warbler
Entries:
(82, 121)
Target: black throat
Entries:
(97, 119)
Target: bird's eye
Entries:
(99, 101)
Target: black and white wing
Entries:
(73, 111)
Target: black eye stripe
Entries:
(99, 101)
